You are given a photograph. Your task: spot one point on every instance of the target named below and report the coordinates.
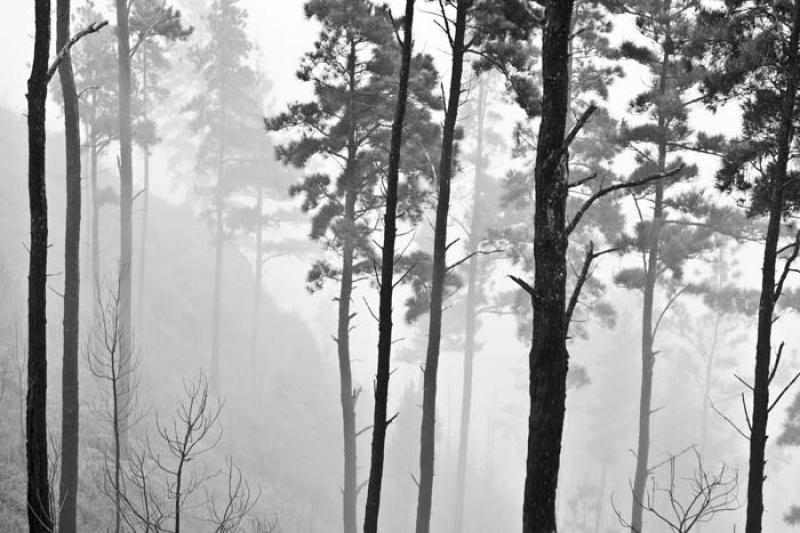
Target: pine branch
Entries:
(581, 280)
(91, 28)
(608, 190)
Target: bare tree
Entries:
(238, 502)
(106, 364)
(706, 494)
(160, 485)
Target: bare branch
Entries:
(91, 28)
(608, 190)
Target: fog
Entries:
(240, 232)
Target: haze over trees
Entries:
(540, 255)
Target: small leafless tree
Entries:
(238, 502)
(706, 494)
(105, 363)
(160, 484)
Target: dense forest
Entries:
(441, 266)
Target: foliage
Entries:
(345, 129)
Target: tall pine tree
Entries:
(756, 52)
(226, 119)
(354, 70)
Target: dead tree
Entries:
(160, 483)
(706, 495)
(106, 364)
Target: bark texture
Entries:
(38, 496)
(68, 489)
(548, 357)
(380, 421)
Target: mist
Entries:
(437, 267)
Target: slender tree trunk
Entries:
(95, 222)
(86, 205)
(428, 431)
(254, 337)
(219, 243)
(125, 211)
(117, 435)
(648, 360)
(383, 372)
(67, 521)
(760, 408)
(38, 498)
(475, 234)
(348, 395)
(140, 304)
(549, 358)
(651, 278)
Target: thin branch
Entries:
(523, 284)
(470, 256)
(91, 28)
(784, 391)
(608, 190)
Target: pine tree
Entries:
(156, 26)
(96, 80)
(387, 283)
(353, 69)
(757, 58)
(225, 118)
(682, 225)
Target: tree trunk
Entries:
(549, 358)
(648, 354)
(95, 223)
(140, 305)
(428, 431)
(648, 359)
(760, 408)
(38, 498)
(348, 395)
(125, 213)
(72, 243)
(475, 234)
(254, 337)
(216, 311)
(383, 372)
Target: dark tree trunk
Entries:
(549, 358)
(125, 213)
(760, 415)
(216, 311)
(254, 337)
(72, 246)
(38, 498)
(428, 431)
(475, 231)
(383, 372)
